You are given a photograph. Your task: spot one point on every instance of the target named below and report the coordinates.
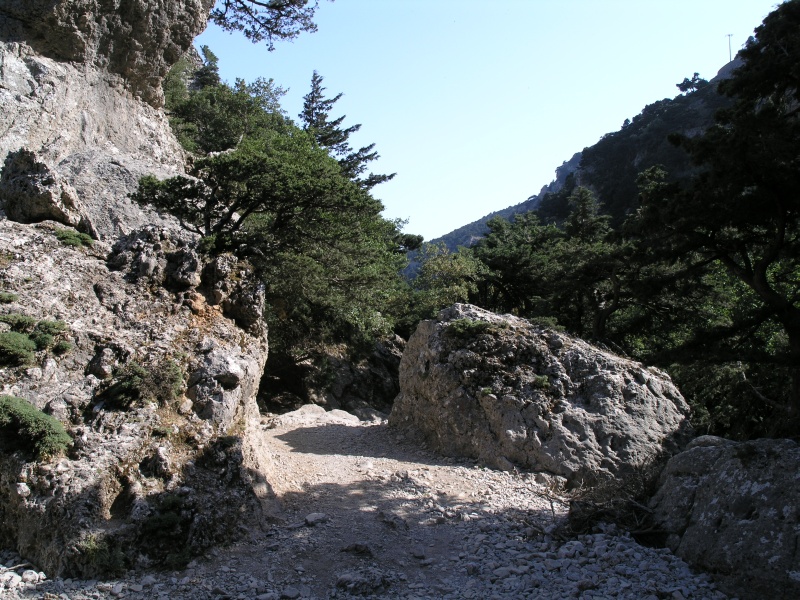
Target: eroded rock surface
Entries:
(511, 393)
(731, 508)
(80, 89)
(88, 132)
(138, 41)
(147, 479)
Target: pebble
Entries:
(499, 553)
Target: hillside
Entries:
(610, 167)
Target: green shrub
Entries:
(44, 332)
(18, 322)
(105, 558)
(541, 382)
(28, 427)
(16, 348)
(70, 237)
(160, 382)
(467, 328)
(50, 327)
(42, 340)
(62, 347)
(126, 386)
(8, 297)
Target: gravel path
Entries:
(361, 511)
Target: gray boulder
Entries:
(511, 393)
(731, 508)
(32, 192)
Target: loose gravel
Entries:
(362, 512)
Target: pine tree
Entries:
(330, 135)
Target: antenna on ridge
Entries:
(730, 56)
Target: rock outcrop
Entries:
(511, 393)
(79, 89)
(731, 508)
(159, 355)
(137, 41)
(176, 454)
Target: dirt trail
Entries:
(360, 511)
(390, 513)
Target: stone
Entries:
(30, 576)
(500, 389)
(32, 192)
(731, 508)
(314, 519)
(137, 42)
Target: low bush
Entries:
(104, 557)
(42, 340)
(50, 327)
(18, 322)
(16, 348)
(467, 328)
(70, 237)
(28, 336)
(62, 347)
(8, 297)
(160, 382)
(27, 427)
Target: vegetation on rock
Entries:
(26, 427)
(28, 335)
(160, 381)
(70, 237)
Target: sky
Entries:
(474, 103)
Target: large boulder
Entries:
(731, 508)
(32, 192)
(511, 393)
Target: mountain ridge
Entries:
(704, 102)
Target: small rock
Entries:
(314, 519)
(360, 549)
(29, 576)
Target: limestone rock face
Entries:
(731, 508)
(510, 393)
(33, 193)
(138, 40)
(142, 303)
(86, 130)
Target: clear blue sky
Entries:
(474, 103)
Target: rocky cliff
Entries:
(158, 351)
(131, 43)
(80, 87)
(156, 375)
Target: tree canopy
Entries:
(330, 134)
(266, 20)
(263, 188)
